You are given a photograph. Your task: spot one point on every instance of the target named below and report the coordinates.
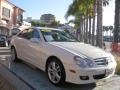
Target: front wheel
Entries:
(56, 72)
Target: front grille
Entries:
(101, 61)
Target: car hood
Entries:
(81, 49)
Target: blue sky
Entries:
(35, 8)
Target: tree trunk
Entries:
(93, 23)
(81, 29)
(86, 39)
(93, 31)
(84, 29)
(79, 32)
(89, 30)
(111, 34)
(117, 21)
(99, 25)
(107, 33)
(97, 31)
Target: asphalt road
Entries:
(26, 77)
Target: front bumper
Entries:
(88, 75)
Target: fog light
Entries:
(84, 77)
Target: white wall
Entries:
(7, 5)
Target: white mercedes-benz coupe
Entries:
(61, 56)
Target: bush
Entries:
(118, 68)
(117, 58)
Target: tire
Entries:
(13, 54)
(55, 72)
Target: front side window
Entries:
(36, 34)
(57, 36)
(32, 33)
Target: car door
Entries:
(33, 48)
(20, 43)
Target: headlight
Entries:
(83, 62)
(89, 62)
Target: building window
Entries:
(6, 13)
(20, 17)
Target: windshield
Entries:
(57, 36)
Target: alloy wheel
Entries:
(54, 72)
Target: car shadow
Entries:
(79, 87)
(39, 80)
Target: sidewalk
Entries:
(8, 79)
(5, 85)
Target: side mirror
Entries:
(35, 40)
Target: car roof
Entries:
(40, 28)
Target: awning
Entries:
(2, 22)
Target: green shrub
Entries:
(118, 68)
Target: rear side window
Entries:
(23, 34)
(29, 33)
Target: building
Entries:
(28, 19)
(10, 16)
(67, 27)
(47, 18)
(27, 24)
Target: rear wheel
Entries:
(14, 54)
(55, 72)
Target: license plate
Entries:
(108, 72)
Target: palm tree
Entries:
(106, 2)
(107, 30)
(100, 4)
(111, 30)
(73, 8)
(86, 39)
(89, 34)
(116, 24)
(83, 6)
(93, 23)
(99, 41)
(78, 25)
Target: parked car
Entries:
(3, 41)
(61, 56)
(108, 38)
(14, 31)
